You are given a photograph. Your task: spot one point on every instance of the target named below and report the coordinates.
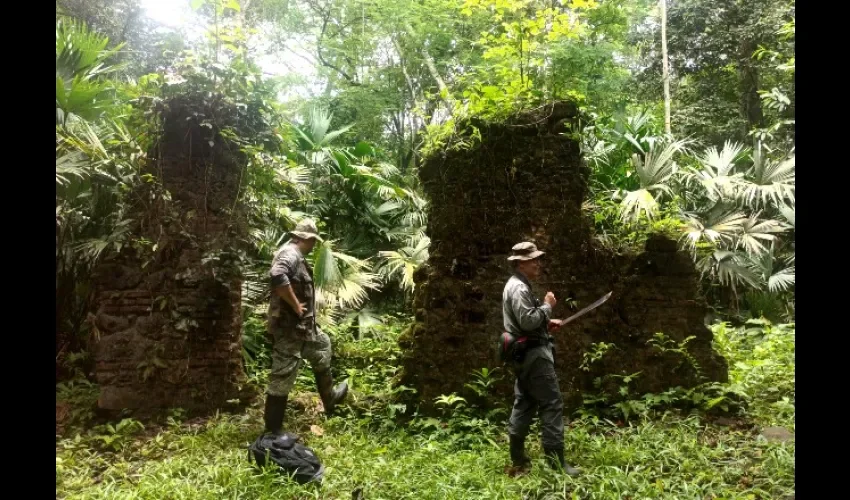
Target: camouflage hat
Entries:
(525, 251)
(306, 229)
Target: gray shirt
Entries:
(522, 312)
(524, 315)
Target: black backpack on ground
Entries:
(291, 457)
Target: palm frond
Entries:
(640, 123)
(410, 236)
(388, 207)
(754, 231)
(769, 181)
(326, 271)
(402, 264)
(782, 280)
(294, 176)
(729, 269)
(715, 227)
(654, 171)
(81, 61)
(70, 165)
(658, 165)
(722, 163)
(716, 172)
(365, 320)
(267, 241)
(765, 266)
(319, 122)
(342, 281)
(635, 202)
(788, 213)
(318, 126)
(92, 249)
(598, 153)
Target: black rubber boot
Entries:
(518, 456)
(330, 396)
(555, 457)
(275, 411)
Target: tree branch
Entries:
(432, 68)
(327, 64)
(413, 93)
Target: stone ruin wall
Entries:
(170, 324)
(526, 181)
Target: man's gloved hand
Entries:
(554, 325)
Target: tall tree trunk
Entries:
(432, 69)
(748, 80)
(665, 65)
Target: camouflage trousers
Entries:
(288, 355)
(536, 389)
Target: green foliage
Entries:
(623, 236)
(725, 204)
(383, 447)
(402, 264)
(679, 458)
(596, 352)
(719, 98)
(654, 167)
(665, 344)
(454, 134)
(118, 436)
(483, 382)
(514, 53)
(80, 396)
(82, 67)
(761, 359)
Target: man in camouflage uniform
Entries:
(536, 387)
(292, 326)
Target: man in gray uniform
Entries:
(536, 386)
(292, 327)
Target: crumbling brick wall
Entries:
(526, 181)
(168, 305)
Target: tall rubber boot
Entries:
(518, 456)
(275, 411)
(555, 457)
(331, 396)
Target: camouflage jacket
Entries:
(290, 268)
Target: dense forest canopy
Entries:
(339, 102)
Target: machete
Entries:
(587, 309)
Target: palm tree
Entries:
(755, 231)
(93, 169)
(654, 169)
(82, 62)
(342, 281)
(717, 171)
(775, 274)
(353, 192)
(769, 182)
(728, 268)
(402, 264)
(716, 227)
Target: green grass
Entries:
(659, 455)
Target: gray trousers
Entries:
(536, 388)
